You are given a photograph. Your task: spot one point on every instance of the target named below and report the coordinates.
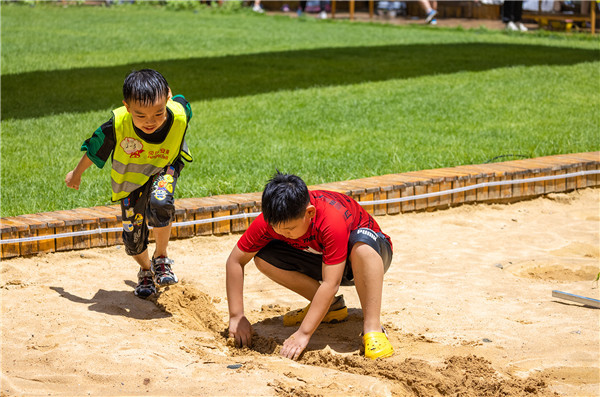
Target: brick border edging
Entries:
(367, 189)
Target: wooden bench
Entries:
(540, 16)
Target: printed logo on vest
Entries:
(132, 147)
(162, 153)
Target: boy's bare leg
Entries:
(367, 267)
(295, 281)
(162, 236)
(143, 260)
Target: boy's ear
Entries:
(126, 105)
(170, 94)
(311, 211)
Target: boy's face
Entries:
(148, 118)
(296, 228)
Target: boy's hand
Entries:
(241, 330)
(73, 181)
(295, 345)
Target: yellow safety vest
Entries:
(135, 160)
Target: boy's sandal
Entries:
(337, 312)
(377, 345)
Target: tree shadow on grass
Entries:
(41, 93)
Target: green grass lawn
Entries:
(327, 100)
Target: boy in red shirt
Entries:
(312, 242)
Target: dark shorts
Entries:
(152, 204)
(286, 257)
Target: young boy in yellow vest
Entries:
(146, 139)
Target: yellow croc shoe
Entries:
(337, 312)
(377, 345)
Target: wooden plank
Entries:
(555, 160)
(560, 185)
(246, 204)
(379, 209)
(442, 174)
(484, 173)
(409, 205)
(506, 190)
(334, 187)
(367, 197)
(9, 232)
(550, 185)
(470, 195)
(112, 218)
(393, 208)
(587, 156)
(427, 175)
(221, 227)
(355, 189)
(202, 208)
(470, 171)
(29, 247)
(47, 245)
(73, 223)
(411, 179)
(24, 231)
(420, 204)
(379, 187)
(203, 229)
(183, 213)
(571, 183)
(369, 185)
(88, 222)
(50, 223)
(539, 187)
(114, 238)
(227, 207)
(494, 191)
(39, 227)
(576, 298)
(241, 224)
(482, 192)
(433, 202)
(592, 179)
(459, 197)
(96, 218)
(393, 181)
(184, 231)
(446, 199)
(528, 188)
(580, 181)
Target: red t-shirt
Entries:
(336, 216)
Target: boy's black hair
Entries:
(145, 86)
(284, 199)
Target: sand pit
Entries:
(467, 303)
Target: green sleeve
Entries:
(93, 145)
